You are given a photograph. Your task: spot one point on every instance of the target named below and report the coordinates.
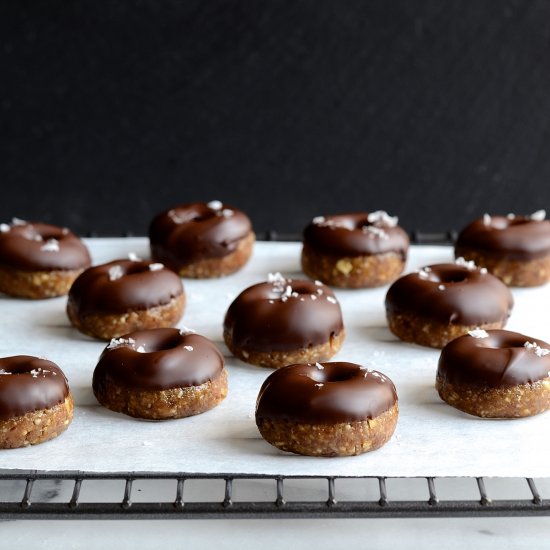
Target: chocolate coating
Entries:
(29, 384)
(469, 296)
(499, 360)
(337, 392)
(135, 287)
(197, 231)
(40, 247)
(353, 235)
(517, 238)
(284, 315)
(167, 358)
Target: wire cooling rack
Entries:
(134, 495)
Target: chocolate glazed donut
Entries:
(495, 374)
(39, 260)
(112, 299)
(354, 250)
(279, 322)
(514, 248)
(327, 409)
(159, 374)
(35, 402)
(202, 240)
(441, 302)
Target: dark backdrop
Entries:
(434, 110)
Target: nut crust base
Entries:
(352, 272)
(511, 272)
(425, 332)
(215, 267)
(341, 439)
(36, 284)
(277, 359)
(37, 426)
(506, 402)
(162, 404)
(109, 326)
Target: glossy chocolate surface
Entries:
(39, 246)
(514, 238)
(500, 359)
(451, 293)
(197, 231)
(283, 315)
(123, 285)
(325, 393)
(29, 384)
(354, 235)
(159, 359)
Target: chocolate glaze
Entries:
(29, 384)
(469, 296)
(138, 287)
(501, 359)
(197, 231)
(517, 238)
(39, 247)
(167, 358)
(283, 315)
(337, 392)
(349, 235)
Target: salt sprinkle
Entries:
(118, 342)
(469, 265)
(51, 245)
(318, 283)
(133, 257)
(510, 216)
(319, 220)
(538, 216)
(65, 231)
(227, 213)
(188, 348)
(275, 278)
(215, 205)
(140, 349)
(319, 366)
(479, 333)
(156, 267)
(115, 272)
(173, 215)
(320, 291)
(313, 297)
(373, 231)
(483, 270)
(331, 300)
(441, 287)
(539, 352)
(4, 227)
(271, 301)
(319, 385)
(37, 238)
(186, 330)
(382, 218)
(18, 221)
(424, 273)
(486, 219)
(2, 371)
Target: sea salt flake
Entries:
(382, 219)
(319, 220)
(486, 219)
(271, 301)
(539, 352)
(375, 232)
(133, 257)
(319, 366)
(156, 267)
(140, 349)
(331, 300)
(227, 213)
(318, 283)
(18, 221)
(319, 385)
(215, 205)
(115, 272)
(275, 278)
(51, 245)
(510, 216)
(188, 348)
(479, 333)
(424, 273)
(483, 270)
(4, 227)
(186, 330)
(37, 238)
(441, 287)
(2, 371)
(469, 265)
(313, 297)
(119, 342)
(538, 216)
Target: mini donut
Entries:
(38, 260)
(516, 249)
(495, 374)
(441, 302)
(284, 321)
(160, 373)
(36, 404)
(354, 250)
(327, 409)
(202, 240)
(121, 296)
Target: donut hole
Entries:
(455, 278)
(333, 374)
(170, 341)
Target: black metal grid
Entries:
(26, 506)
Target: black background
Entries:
(112, 111)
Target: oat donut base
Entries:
(507, 402)
(425, 332)
(277, 359)
(109, 326)
(37, 284)
(37, 426)
(163, 404)
(341, 439)
(352, 272)
(512, 272)
(219, 267)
